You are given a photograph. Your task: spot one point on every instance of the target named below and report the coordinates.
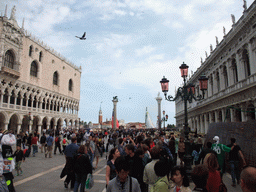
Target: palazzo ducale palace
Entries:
(231, 72)
(39, 89)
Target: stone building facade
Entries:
(39, 89)
(231, 69)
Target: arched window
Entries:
(40, 56)
(247, 68)
(70, 85)
(33, 69)
(218, 81)
(55, 78)
(9, 59)
(225, 74)
(30, 50)
(234, 67)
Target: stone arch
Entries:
(10, 58)
(25, 123)
(13, 123)
(3, 119)
(45, 122)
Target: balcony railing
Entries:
(14, 71)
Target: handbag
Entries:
(89, 181)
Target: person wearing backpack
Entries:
(57, 144)
(82, 167)
(64, 143)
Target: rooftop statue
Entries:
(13, 13)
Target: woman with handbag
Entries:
(82, 167)
(214, 178)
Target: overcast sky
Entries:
(130, 46)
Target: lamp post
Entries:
(165, 118)
(187, 94)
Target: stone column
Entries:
(214, 79)
(232, 115)
(40, 129)
(9, 98)
(205, 124)
(216, 116)
(252, 54)
(18, 128)
(1, 100)
(6, 126)
(159, 99)
(209, 90)
(39, 105)
(198, 125)
(15, 100)
(210, 117)
(243, 113)
(223, 113)
(37, 101)
(221, 78)
(115, 100)
(201, 123)
(240, 66)
(230, 72)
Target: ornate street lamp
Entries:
(164, 119)
(187, 94)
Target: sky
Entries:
(130, 45)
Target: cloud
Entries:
(145, 50)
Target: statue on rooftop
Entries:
(245, 5)
(211, 49)
(217, 41)
(13, 13)
(224, 31)
(233, 19)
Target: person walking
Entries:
(70, 152)
(49, 142)
(19, 157)
(214, 179)
(220, 149)
(181, 150)
(57, 144)
(34, 141)
(234, 161)
(111, 169)
(43, 143)
(82, 168)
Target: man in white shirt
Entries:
(149, 176)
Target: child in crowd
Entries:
(19, 157)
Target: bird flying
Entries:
(83, 37)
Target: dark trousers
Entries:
(55, 148)
(70, 178)
(80, 180)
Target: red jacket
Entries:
(213, 182)
(34, 140)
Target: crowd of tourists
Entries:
(136, 160)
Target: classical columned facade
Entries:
(39, 89)
(231, 69)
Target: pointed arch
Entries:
(9, 59)
(70, 85)
(34, 69)
(55, 78)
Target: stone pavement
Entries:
(42, 174)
